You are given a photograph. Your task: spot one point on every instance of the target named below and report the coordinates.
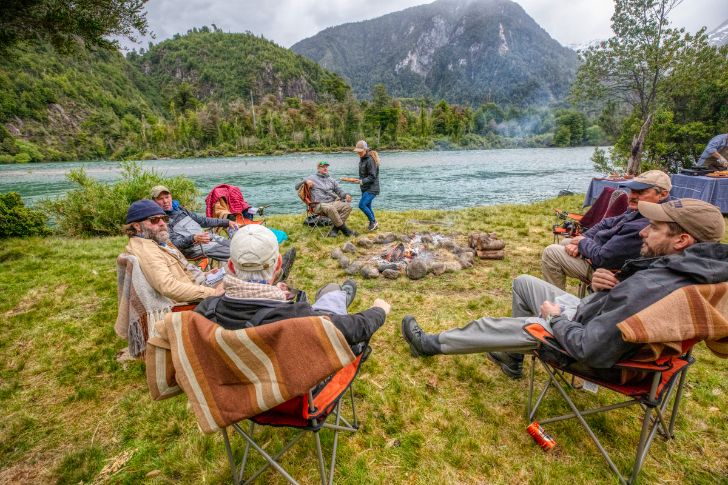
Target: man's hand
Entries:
(284, 288)
(549, 309)
(219, 289)
(379, 303)
(603, 279)
(576, 239)
(214, 270)
(233, 225)
(309, 183)
(572, 250)
(201, 238)
(347, 198)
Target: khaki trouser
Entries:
(556, 265)
(337, 211)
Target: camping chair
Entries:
(218, 205)
(307, 413)
(652, 392)
(611, 202)
(202, 262)
(317, 221)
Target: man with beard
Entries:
(164, 266)
(679, 248)
(329, 199)
(609, 243)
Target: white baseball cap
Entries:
(254, 248)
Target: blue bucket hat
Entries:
(143, 209)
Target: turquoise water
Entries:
(409, 180)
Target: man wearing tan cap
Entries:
(680, 247)
(609, 243)
(185, 228)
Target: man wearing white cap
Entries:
(611, 242)
(680, 247)
(251, 298)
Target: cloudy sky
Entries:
(288, 21)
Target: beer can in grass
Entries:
(539, 435)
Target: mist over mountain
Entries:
(466, 51)
(719, 35)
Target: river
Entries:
(409, 180)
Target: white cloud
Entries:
(288, 21)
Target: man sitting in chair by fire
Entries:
(611, 242)
(252, 298)
(679, 248)
(165, 268)
(329, 199)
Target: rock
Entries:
(344, 262)
(389, 238)
(336, 253)
(353, 268)
(448, 244)
(426, 239)
(380, 239)
(348, 247)
(452, 266)
(497, 254)
(364, 242)
(391, 274)
(384, 265)
(465, 262)
(416, 269)
(403, 238)
(369, 272)
(436, 268)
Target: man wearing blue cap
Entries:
(610, 243)
(164, 266)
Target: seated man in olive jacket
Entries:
(252, 299)
(164, 266)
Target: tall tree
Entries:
(632, 66)
(65, 23)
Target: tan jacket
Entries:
(165, 273)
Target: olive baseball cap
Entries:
(700, 219)
(651, 178)
(159, 189)
(323, 163)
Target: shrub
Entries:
(16, 220)
(99, 209)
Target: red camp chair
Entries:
(651, 391)
(306, 413)
(611, 202)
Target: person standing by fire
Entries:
(368, 180)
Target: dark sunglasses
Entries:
(155, 219)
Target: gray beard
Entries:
(160, 237)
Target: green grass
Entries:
(69, 413)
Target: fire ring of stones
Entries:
(393, 255)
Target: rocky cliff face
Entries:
(468, 51)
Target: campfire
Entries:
(399, 252)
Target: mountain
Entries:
(222, 66)
(468, 51)
(719, 35)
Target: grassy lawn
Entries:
(70, 413)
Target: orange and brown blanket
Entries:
(231, 375)
(692, 313)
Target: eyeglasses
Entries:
(154, 220)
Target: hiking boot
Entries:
(348, 232)
(286, 265)
(349, 287)
(416, 337)
(334, 232)
(373, 226)
(510, 364)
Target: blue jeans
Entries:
(365, 204)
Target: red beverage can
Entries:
(544, 439)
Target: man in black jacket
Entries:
(252, 299)
(679, 248)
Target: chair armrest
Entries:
(645, 366)
(546, 338)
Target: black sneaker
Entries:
(349, 287)
(510, 364)
(286, 264)
(373, 225)
(334, 232)
(414, 336)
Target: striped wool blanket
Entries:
(692, 313)
(231, 375)
(139, 304)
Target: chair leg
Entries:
(320, 456)
(676, 405)
(231, 459)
